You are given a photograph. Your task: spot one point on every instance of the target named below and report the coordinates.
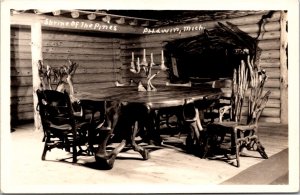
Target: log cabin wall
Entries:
(98, 58)
(269, 42)
(104, 59)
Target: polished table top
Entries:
(165, 96)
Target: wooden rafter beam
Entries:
(75, 24)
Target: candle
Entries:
(138, 60)
(144, 53)
(162, 55)
(132, 54)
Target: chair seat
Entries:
(63, 127)
(234, 125)
(226, 124)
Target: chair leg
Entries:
(261, 150)
(74, 148)
(45, 150)
(237, 149)
(238, 155)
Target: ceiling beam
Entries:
(100, 26)
(73, 24)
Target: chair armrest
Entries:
(222, 111)
(245, 127)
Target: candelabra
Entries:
(146, 68)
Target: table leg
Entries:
(152, 126)
(103, 158)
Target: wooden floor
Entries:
(169, 168)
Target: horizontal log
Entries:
(87, 87)
(270, 44)
(21, 91)
(21, 81)
(266, 35)
(272, 103)
(22, 116)
(59, 50)
(270, 54)
(20, 63)
(94, 78)
(275, 92)
(14, 42)
(68, 44)
(103, 64)
(78, 36)
(273, 72)
(47, 56)
(99, 70)
(18, 71)
(50, 35)
(16, 108)
(269, 63)
(263, 119)
(22, 100)
(273, 83)
(268, 112)
(269, 119)
(27, 71)
(135, 45)
(138, 52)
(253, 28)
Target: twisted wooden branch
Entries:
(58, 76)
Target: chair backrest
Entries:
(257, 97)
(55, 108)
(247, 76)
(260, 105)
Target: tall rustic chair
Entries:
(242, 134)
(59, 125)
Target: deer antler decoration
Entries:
(147, 69)
(59, 76)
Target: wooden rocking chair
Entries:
(242, 134)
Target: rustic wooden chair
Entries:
(59, 125)
(242, 134)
